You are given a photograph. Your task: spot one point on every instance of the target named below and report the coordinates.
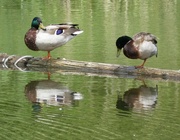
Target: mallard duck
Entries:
(141, 98)
(40, 38)
(142, 46)
(51, 93)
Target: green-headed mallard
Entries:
(142, 46)
(50, 37)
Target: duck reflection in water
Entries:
(50, 93)
(138, 99)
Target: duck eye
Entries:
(59, 31)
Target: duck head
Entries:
(121, 42)
(37, 23)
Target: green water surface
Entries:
(110, 108)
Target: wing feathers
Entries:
(52, 28)
(142, 36)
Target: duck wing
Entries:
(143, 36)
(60, 28)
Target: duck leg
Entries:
(142, 65)
(49, 55)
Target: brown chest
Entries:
(30, 39)
(131, 51)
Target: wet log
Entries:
(64, 66)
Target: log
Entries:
(64, 66)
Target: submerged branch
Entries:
(81, 67)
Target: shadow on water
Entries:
(140, 99)
(50, 93)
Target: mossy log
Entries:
(80, 67)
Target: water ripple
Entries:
(76, 129)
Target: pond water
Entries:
(82, 106)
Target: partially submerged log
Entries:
(81, 67)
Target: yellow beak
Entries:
(42, 26)
(118, 52)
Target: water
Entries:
(82, 106)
